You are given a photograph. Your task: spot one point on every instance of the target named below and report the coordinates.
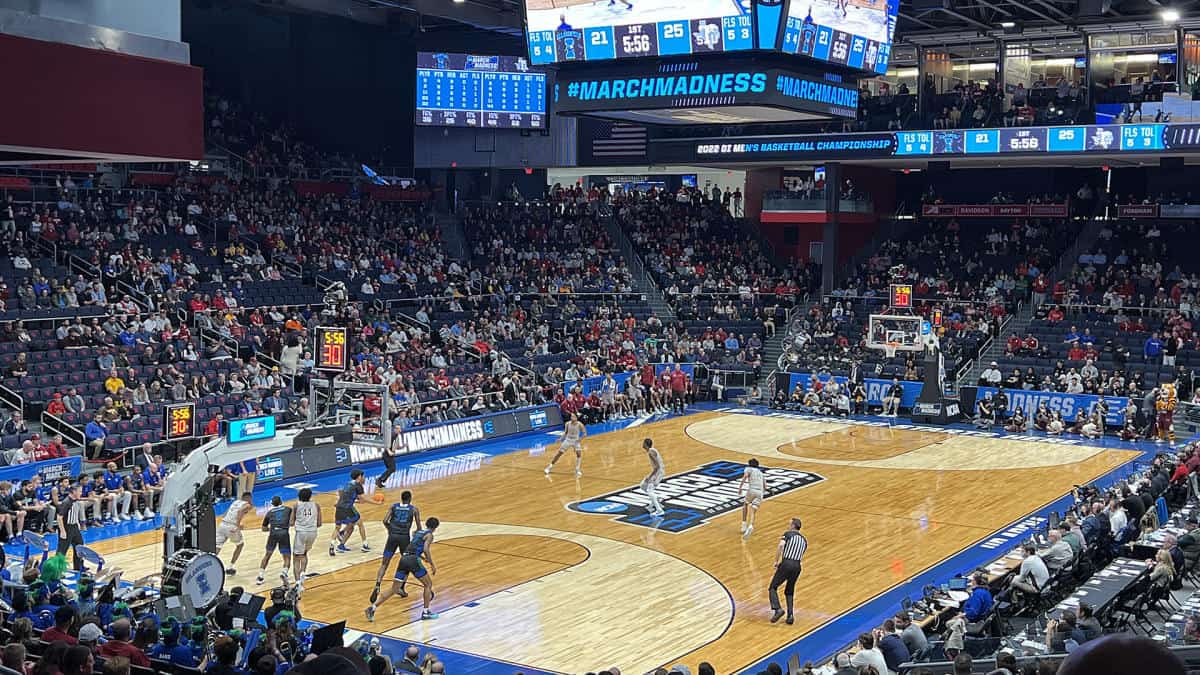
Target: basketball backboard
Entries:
(895, 332)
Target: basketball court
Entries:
(567, 575)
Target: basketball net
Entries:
(889, 348)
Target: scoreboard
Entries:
(593, 30)
(1084, 139)
(179, 421)
(332, 349)
(854, 33)
(901, 296)
(494, 92)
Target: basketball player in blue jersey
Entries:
(345, 516)
(410, 563)
(277, 524)
(399, 522)
(562, 23)
(808, 33)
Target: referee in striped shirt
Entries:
(70, 514)
(792, 546)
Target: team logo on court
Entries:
(692, 498)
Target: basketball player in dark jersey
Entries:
(345, 516)
(410, 563)
(277, 524)
(399, 522)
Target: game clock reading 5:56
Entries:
(331, 349)
(639, 39)
(179, 421)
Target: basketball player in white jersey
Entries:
(573, 433)
(752, 487)
(230, 528)
(307, 517)
(650, 482)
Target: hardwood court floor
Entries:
(522, 578)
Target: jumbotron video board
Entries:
(596, 30)
(853, 33)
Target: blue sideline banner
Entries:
(876, 388)
(1070, 405)
(302, 461)
(50, 470)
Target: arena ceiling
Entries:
(927, 22)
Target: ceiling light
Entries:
(1170, 15)
(1007, 24)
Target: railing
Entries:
(323, 282)
(213, 336)
(238, 166)
(72, 435)
(1069, 307)
(139, 298)
(289, 378)
(49, 247)
(487, 396)
(795, 201)
(12, 399)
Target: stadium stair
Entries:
(453, 238)
(1019, 324)
(641, 277)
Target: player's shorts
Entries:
(345, 515)
(395, 542)
(303, 542)
(410, 564)
(754, 498)
(280, 539)
(651, 482)
(568, 443)
(228, 532)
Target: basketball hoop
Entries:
(889, 349)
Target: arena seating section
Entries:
(977, 272)
(1130, 286)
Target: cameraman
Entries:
(283, 600)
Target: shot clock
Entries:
(332, 356)
(179, 421)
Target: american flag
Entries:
(617, 139)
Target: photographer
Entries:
(283, 599)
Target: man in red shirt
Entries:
(214, 426)
(119, 645)
(56, 406)
(1014, 345)
(45, 451)
(679, 387)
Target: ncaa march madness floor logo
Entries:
(693, 497)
